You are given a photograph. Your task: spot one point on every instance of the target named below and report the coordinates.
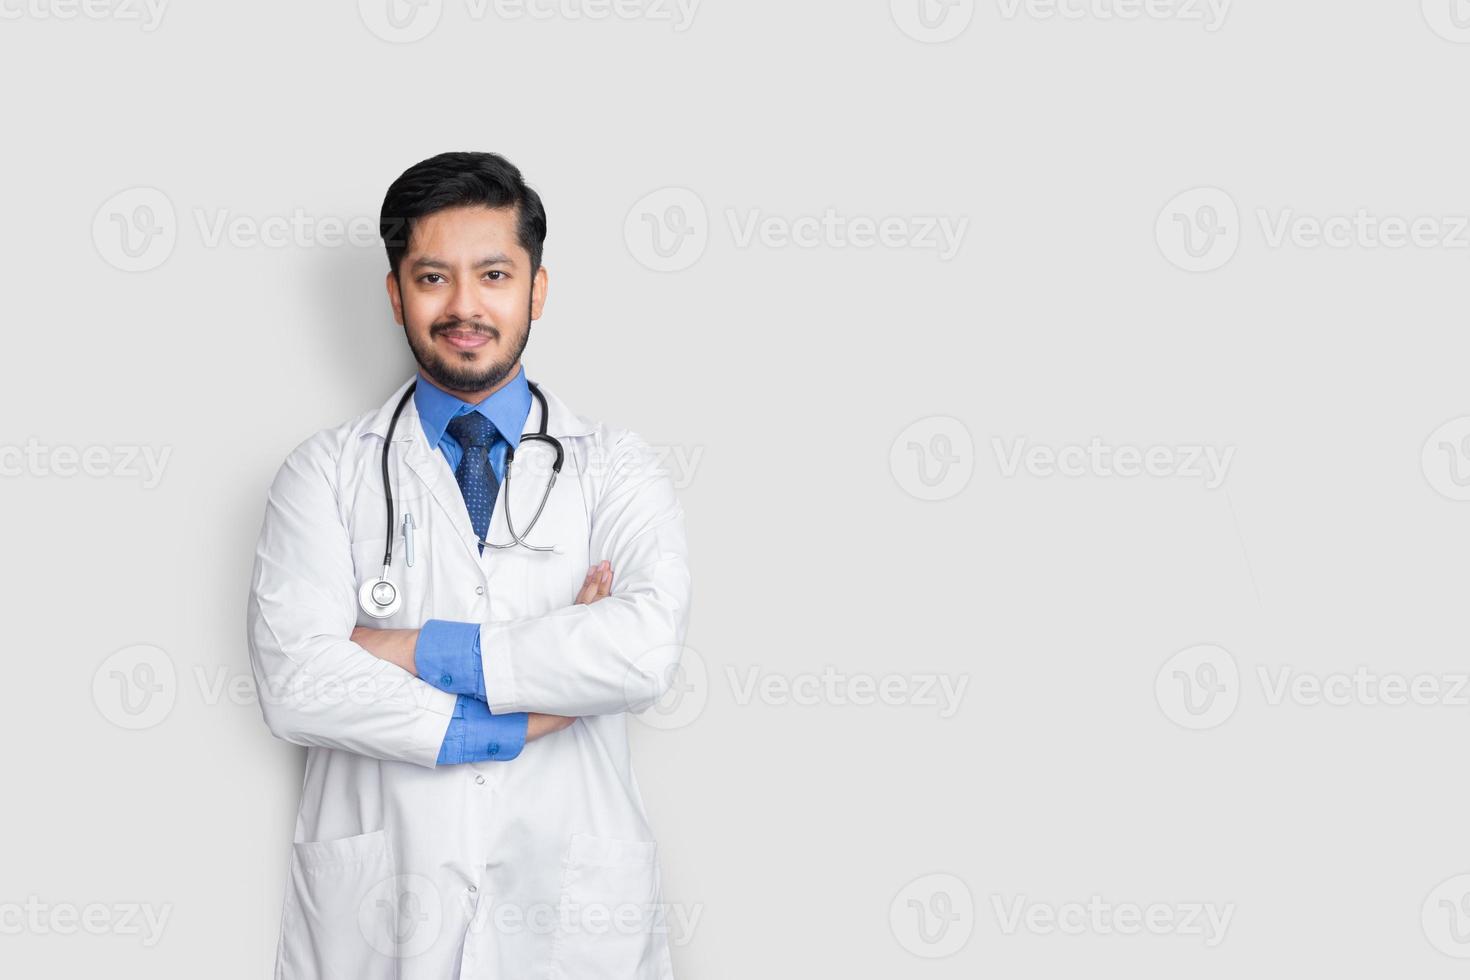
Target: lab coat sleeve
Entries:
(315, 686)
(618, 653)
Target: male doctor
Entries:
(469, 807)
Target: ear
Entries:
(395, 297)
(538, 292)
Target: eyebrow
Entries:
(431, 262)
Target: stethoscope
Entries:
(379, 597)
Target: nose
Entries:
(464, 304)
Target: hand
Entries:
(597, 585)
(395, 646)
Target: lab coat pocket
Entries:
(605, 925)
(338, 919)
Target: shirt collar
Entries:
(507, 408)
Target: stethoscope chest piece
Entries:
(379, 598)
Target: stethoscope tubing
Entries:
(540, 435)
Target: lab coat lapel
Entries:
(428, 465)
(431, 468)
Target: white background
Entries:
(818, 387)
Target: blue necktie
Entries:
(474, 474)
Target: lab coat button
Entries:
(479, 590)
(473, 888)
(479, 779)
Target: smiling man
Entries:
(469, 807)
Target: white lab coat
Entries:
(543, 866)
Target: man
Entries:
(469, 807)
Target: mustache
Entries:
(484, 328)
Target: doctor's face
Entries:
(466, 298)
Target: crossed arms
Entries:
(319, 686)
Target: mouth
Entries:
(465, 339)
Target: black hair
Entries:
(460, 179)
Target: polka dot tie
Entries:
(476, 477)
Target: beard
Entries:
(457, 372)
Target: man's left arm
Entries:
(617, 654)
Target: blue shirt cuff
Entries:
(476, 735)
(447, 655)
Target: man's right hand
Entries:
(597, 585)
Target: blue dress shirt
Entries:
(447, 654)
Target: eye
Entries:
(495, 272)
(427, 275)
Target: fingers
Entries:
(604, 587)
(588, 592)
(597, 584)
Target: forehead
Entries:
(455, 233)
